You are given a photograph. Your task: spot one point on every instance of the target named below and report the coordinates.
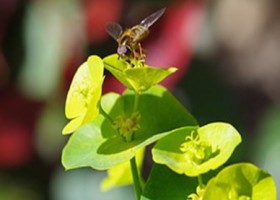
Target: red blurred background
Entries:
(230, 47)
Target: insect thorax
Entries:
(133, 35)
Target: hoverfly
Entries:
(129, 40)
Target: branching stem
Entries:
(200, 181)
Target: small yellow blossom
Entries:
(127, 126)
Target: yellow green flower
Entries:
(136, 75)
(82, 102)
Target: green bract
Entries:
(165, 184)
(241, 181)
(196, 152)
(84, 94)
(98, 144)
(138, 78)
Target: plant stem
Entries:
(136, 179)
(200, 181)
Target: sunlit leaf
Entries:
(136, 78)
(213, 145)
(241, 181)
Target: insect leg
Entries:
(141, 52)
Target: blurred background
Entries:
(227, 53)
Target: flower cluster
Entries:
(110, 132)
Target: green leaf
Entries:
(117, 67)
(142, 79)
(165, 184)
(241, 181)
(98, 145)
(213, 146)
(136, 78)
(81, 149)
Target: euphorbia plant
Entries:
(110, 132)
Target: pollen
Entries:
(197, 151)
(127, 126)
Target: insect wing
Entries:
(151, 19)
(114, 30)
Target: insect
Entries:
(129, 40)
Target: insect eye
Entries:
(122, 50)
